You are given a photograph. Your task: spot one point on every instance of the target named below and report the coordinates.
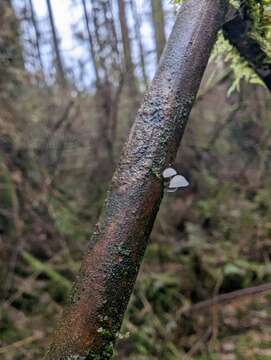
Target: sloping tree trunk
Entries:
(59, 62)
(110, 267)
(159, 26)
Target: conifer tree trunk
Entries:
(138, 36)
(109, 269)
(59, 62)
(37, 37)
(127, 50)
(159, 26)
(90, 41)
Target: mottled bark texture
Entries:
(108, 273)
(238, 32)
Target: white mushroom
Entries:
(178, 181)
(169, 172)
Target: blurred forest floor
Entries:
(57, 154)
(210, 239)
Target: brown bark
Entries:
(159, 26)
(237, 31)
(109, 269)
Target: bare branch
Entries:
(227, 298)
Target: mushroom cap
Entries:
(178, 181)
(169, 172)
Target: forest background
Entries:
(72, 76)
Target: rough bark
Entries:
(59, 62)
(237, 31)
(109, 269)
(159, 26)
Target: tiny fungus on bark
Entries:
(169, 173)
(177, 182)
(173, 181)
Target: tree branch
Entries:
(237, 31)
(109, 269)
(227, 298)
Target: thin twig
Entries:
(223, 299)
(20, 343)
